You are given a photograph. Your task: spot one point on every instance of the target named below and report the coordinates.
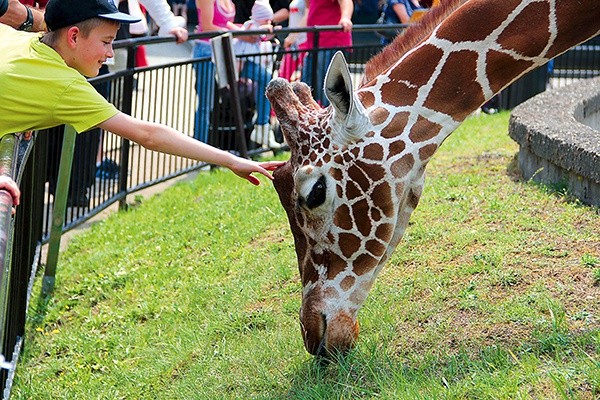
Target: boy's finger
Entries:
(253, 180)
(272, 165)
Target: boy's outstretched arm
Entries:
(162, 138)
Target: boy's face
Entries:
(91, 51)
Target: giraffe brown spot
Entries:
(455, 92)
(375, 171)
(375, 247)
(353, 191)
(477, 20)
(375, 214)
(342, 218)
(330, 293)
(384, 232)
(373, 151)
(397, 147)
(424, 130)
(366, 98)
(347, 283)
(336, 173)
(382, 195)
(339, 190)
(413, 199)
(326, 143)
(426, 152)
(361, 217)
(403, 165)
(335, 265)
(349, 244)
(330, 237)
(363, 264)
(502, 69)
(395, 126)
(528, 33)
(378, 115)
(357, 297)
(338, 159)
(398, 93)
(416, 69)
(313, 156)
(309, 271)
(305, 149)
(569, 15)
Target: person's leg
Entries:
(205, 82)
(306, 76)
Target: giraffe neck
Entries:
(470, 56)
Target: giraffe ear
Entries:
(338, 85)
(339, 91)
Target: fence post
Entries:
(314, 66)
(60, 206)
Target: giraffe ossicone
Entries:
(356, 169)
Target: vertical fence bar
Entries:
(127, 109)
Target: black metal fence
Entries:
(106, 168)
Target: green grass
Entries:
(494, 293)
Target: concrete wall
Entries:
(558, 133)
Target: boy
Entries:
(44, 85)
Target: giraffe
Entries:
(357, 168)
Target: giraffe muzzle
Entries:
(323, 338)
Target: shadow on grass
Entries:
(536, 368)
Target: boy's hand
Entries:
(245, 168)
(12, 188)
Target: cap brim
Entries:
(121, 17)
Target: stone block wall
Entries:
(558, 133)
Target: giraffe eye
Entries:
(317, 194)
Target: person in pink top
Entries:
(326, 12)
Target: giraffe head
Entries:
(339, 201)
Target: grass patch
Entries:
(194, 294)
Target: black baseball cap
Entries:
(62, 13)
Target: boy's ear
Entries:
(73, 35)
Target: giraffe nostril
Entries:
(322, 349)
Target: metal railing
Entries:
(162, 93)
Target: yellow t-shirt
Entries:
(38, 90)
